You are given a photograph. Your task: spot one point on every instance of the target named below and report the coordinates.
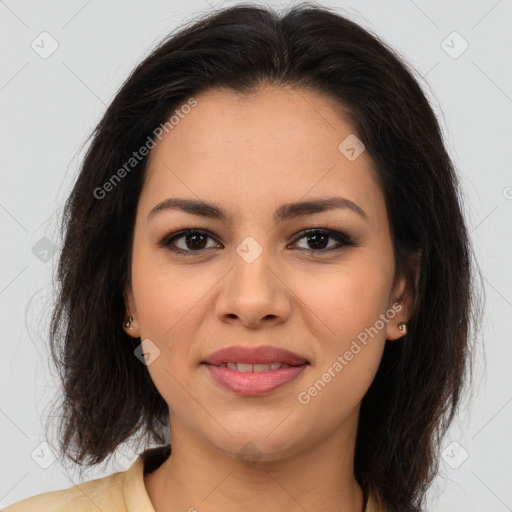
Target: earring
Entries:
(402, 326)
(128, 323)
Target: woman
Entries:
(266, 263)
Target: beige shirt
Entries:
(123, 491)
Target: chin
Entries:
(253, 445)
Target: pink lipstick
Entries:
(254, 371)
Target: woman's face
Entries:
(253, 279)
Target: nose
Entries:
(254, 293)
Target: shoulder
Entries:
(112, 493)
(105, 494)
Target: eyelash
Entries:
(343, 239)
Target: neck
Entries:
(198, 476)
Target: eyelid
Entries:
(332, 233)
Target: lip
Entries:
(264, 354)
(254, 383)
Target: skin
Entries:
(250, 154)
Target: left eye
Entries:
(319, 236)
(195, 241)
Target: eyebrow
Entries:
(284, 212)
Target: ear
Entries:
(403, 299)
(130, 321)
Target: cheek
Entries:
(344, 312)
(344, 307)
(345, 300)
(169, 299)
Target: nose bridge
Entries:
(253, 291)
(251, 262)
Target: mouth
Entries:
(254, 371)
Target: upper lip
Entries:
(265, 354)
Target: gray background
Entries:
(50, 105)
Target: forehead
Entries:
(252, 152)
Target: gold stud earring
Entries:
(402, 326)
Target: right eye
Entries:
(192, 238)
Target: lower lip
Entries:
(254, 383)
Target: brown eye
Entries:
(193, 241)
(317, 240)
